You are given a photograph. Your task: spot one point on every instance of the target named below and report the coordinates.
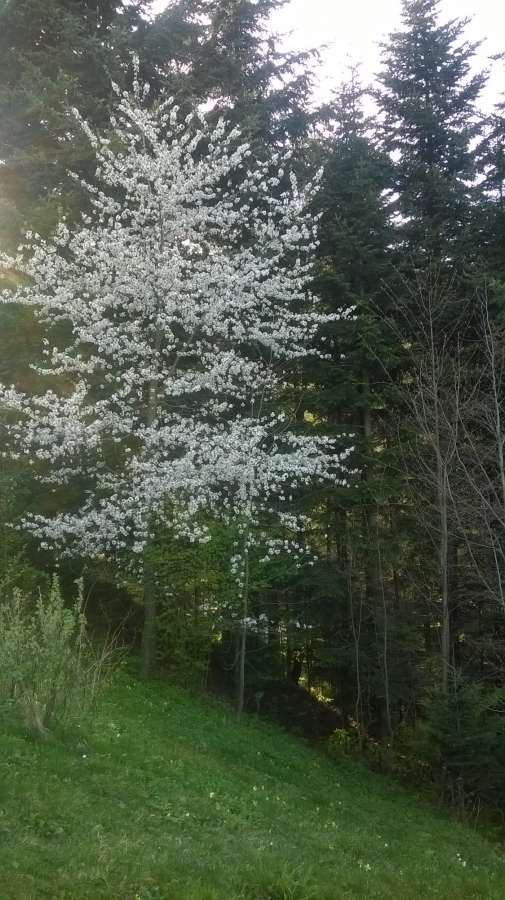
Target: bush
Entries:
(49, 669)
(342, 743)
(462, 741)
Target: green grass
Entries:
(175, 801)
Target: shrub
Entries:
(462, 741)
(342, 742)
(49, 669)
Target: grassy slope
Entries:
(175, 801)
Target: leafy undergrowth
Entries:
(172, 800)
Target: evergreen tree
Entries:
(226, 55)
(427, 98)
(54, 55)
(427, 101)
(491, 156)
(346, 392)
(268, 91)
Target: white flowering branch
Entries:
(183, 291)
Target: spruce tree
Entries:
(427, 98)
(491, 234)
(429, 121)
(345, 392)
(55, 54)
(229, 58)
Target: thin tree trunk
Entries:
(444, 558)
(243, 634)
(373, 574)
(308, 656)
(385, 670)
(356, 633)
(371, 516)
(289, 656)
(148, 649)
(442, 501)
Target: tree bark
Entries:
(148, 647)
(372, 574)
(243, 633)
(442, 488)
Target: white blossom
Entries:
(184, 291)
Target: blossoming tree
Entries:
(183, 294)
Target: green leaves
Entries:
(48, 668)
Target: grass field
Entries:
(172, 800)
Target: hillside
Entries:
(172, 800)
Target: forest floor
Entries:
(172, 800)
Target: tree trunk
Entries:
(443, 555)
(443, 514)
(243, 633)
(148, 648)
(372, 574)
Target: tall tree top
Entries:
(427, 97)
(427, 89)
(233, 59)
(55, 54)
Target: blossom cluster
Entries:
(184, 295)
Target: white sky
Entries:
(355, 27)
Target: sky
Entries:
(354, 28)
